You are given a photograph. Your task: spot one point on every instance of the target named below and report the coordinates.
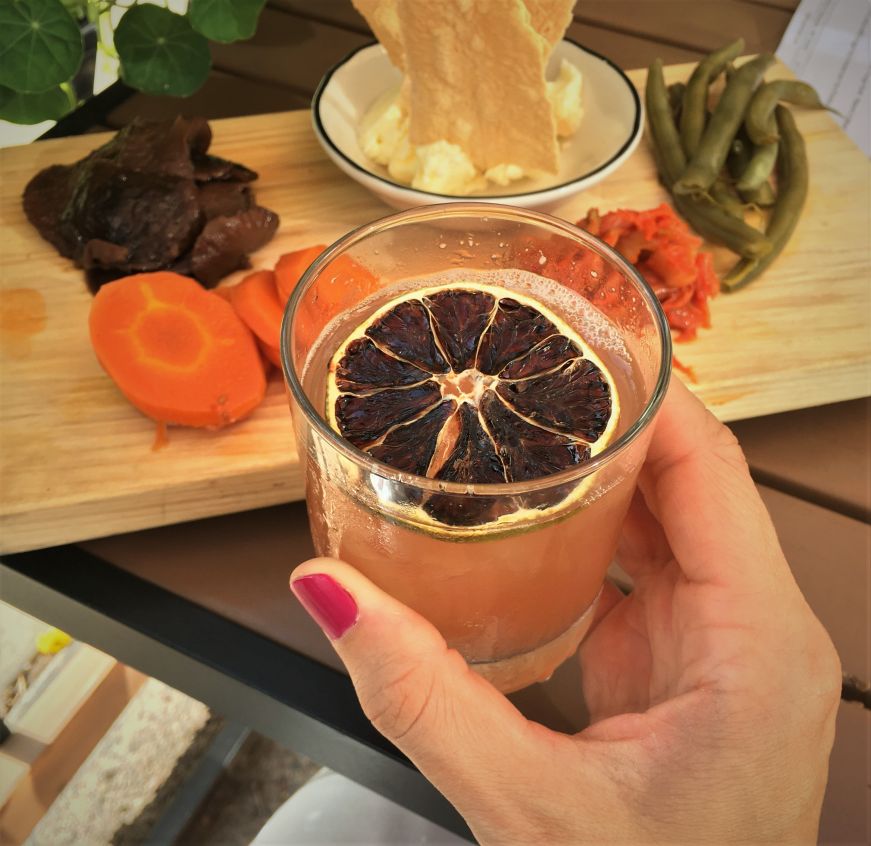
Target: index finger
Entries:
(697, 483)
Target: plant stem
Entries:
(68, 89)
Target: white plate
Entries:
(610, 129)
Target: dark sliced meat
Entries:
(134, 205)
(45, 198)
(472, 460)
(365, 419)
(527, 451)
(156, 216)
(223, 199)
(158, 147)
(459, 317)
(96, 277)
(199, 135)
(103, 255)
(225, 242)
(364, 367)
(584, 405)
(411, 447)
(405, 330)
(548, 354)
(208, 168)
(515, 330)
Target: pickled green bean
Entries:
(759, 168)
(692, 120)
(675, 99)
(702, 213)
(791, 196)
(739, 157)
(709, 157)
(762, 197)
(759, 121)
(724, 193)
(662, 125)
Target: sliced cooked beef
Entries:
(99, 254)
(209, 168)
(45, 198)
(225, 242)
(165, 146)
(142, 200)
(223, 198)
(154, 215)
(96, 277)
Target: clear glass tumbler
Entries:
(513, 594)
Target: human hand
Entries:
(712, 687)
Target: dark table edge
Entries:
(297, 701)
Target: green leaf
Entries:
(160, 53)
(77, 8)
(225, 20)
(40, 45)
(33, 108)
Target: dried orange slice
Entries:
(475, 384)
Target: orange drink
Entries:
(474, 420)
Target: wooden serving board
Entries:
(77, 461)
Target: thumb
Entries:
(462, 734)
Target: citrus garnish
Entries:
(473, 384)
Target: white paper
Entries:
(828, 44)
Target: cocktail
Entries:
(472, 387)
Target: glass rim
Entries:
(481, 210)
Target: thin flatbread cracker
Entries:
(476, 73)
(383, 21)
(551, 18)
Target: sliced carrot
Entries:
(340, 286)
(178, 353)
(256, 302)
(271, 354)
(225, 292)
(290, 268)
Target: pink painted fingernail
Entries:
(331, 606)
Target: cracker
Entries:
(551, 18)
(476, 73)
(384, 23)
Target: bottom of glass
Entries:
(537, 665)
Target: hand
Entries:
(712, 687)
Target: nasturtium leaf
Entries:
(33, 108)
(40, 45)
(225, 20)
(160, 53)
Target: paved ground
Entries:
(134, 771)
(260, 778)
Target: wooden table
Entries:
(171, 602)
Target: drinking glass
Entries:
(514, 597)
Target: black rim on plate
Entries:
(325, 81)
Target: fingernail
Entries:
(331, 606)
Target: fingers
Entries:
(642, 547)
(697, 485)
(459, 730)
(610, 597)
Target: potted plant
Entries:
(158, 50)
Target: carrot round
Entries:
(256, 302)
(339, 286)
(290, 268)
(271, 354)
(179, 353)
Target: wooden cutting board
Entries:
(77, 461)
